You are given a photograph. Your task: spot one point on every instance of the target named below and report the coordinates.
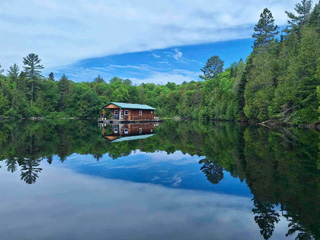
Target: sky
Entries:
(145, 41)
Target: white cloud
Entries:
(177, 76)
(177, 55)
(63, 32)
(156, 55)
(120, 210)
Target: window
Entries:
(140, 112)
(115, 112)
(126, 112)
(140, 130)
(115, 130)
(151, 112)
(126, 131)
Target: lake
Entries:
(73, 179)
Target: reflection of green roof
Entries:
(131, 106)
(130, 138)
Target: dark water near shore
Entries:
(179, 180)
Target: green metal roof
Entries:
(130, 138)
(131, 106)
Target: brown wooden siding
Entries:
(133, 114)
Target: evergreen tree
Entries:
(13, 72)
(303, 10)
(265, 30)
(265, 217)
(240, 85)
(213, 67)
(51, 76)
(32, 69)
(64, 89)
(213, 172)
(4, 104)
(99, 79)
(314, 19)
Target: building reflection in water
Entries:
(128, 132)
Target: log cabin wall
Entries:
(133, 114)
(146, 114)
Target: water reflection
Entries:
(127, 132)
(279, 167)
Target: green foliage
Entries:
(278, 81)
(213, 67)
(4, 104)
(303, 10)
(51, 76)
(83, 101)
(32, 69)
(264, 30)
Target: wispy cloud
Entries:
(177, 55)
(177, 76)
(156, 55)
(63, 32)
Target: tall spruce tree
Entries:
(32, 69)
(265, 30)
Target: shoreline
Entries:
(267, 123)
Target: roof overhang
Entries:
(128, 106)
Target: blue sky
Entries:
(176, 64)
(146, 41)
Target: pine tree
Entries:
(265, 30)
(213, 67)
(51, 76)
(13, 72)
(303, 10)
(32, 68)
(99, 79)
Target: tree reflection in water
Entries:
(30, 169)
(213, 172)
(266, 217)
(280, 166)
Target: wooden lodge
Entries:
(128, 113)
(129, 132)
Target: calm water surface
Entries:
(176, 180)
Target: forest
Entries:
(279, 81)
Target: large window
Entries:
(126, 112)
(115, 112)
(140, 112)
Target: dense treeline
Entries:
(280, 80)
(281, 167)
